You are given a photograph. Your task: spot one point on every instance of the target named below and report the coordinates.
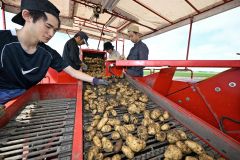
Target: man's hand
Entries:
(97, 81)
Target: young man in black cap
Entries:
(24, 56)
(113, 54)
(71, 50)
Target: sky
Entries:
(214, 38)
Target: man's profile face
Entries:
(80, 41)
(134, 37)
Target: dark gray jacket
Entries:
(138, 52)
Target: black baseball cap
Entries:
(83, 36)
(107, 46)
(37, 5)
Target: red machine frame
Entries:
(212, 100)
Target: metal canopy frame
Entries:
(112, 23)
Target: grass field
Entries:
(188, 74)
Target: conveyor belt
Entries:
(41, 130)
(154, 149)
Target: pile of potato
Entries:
(127, 133)
(96, 66)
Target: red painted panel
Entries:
(112, 70)
(160, 81)
(221, 93)
(176, 86)
(77, 149)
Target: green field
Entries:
(188, 74)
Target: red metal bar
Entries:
(190, 4)
(179, 63)
(77, 149)
(189, 38)
(152, 11)
(100, 38)
(3, 16)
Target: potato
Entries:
(99, 134)
(132, 108)
(128, 152)
(123, 102)
(135, 143)
(118, 146)
(195, 147)
(114, 113)
(102, 122)
(90, 135)
(97, 141)
(130, 127)
(89, 128)
(147, 121)
(117, 157)
(133, 119)
(143, 98)
(141, 106)
(113, 122)
(106, 128)
(161, 119)
(205, 157)
(173, 136)
(146, 114)
(94, 111)
(151, 129)
(107, 158)
(123, 131)
(99, 156)
(107, 145)
(92, 152)
(142, 133)
(184, 148)
(182, 134)
(126, 118)
(106, 114)
(155, 114)
(157, 127)
(165, 127)
(173, 152)
(161, 136)
(166, 115)
(97, 117)
(115, 135)
(95, 122)
(190, 158)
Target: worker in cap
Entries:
(138, 52)
(113, 54)
(25, 58)
(71, 52)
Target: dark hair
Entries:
(107, 46)
(36, 15)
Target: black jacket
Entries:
(71, 54)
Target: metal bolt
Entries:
(232, 84)
(179, 101)
(187, 99)
(218, 89)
